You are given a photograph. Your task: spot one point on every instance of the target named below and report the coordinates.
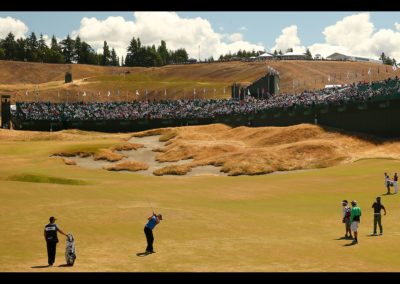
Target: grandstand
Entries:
(330, 106)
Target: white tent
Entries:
(265, 55)
(291, 53)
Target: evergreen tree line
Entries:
(32, 49)
(69, 50)
(145, 56)
(387, 60)
(240, 54)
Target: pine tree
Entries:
(68, 49)
(77, 51)
(106, 58)
(308, 54)
(43, 50)
(163, 52)
(32, 48)
(56, 55)
(9, 47)
(114, 59)
(21, 48)
(383, 57)
(133, 51)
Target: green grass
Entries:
(45, 179)
(277, 222)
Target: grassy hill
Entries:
(179, 80)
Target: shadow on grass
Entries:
(142, 254)
(343, 238)
(41, 266)
(350, 244)
(64, 265)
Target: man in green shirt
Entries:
(355, 217)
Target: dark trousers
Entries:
(51, 252)
(149, 237)
(377, 221)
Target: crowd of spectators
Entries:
(193, 109)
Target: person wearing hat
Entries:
(148, 231)
(378, 206)
(355, 216)
(346, 219)
(50, 235)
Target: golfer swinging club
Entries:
(148, 231)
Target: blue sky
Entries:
(247, 29)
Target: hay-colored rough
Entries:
(262, 150)
(69, 162)
(81, 154)
(151, 132)
(132, 166)
(168, 136)
(179, 170)
(108, 155)
(127, 147)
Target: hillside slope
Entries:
(179, 81)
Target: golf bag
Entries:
(70, 255)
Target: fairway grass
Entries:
(277, 222)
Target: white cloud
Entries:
(326, 49)
(288, 39)
(152, 27)
(17, 27)
(235, 37)
(355, 35)
(115, 30)
(243, 28)
(221, 29)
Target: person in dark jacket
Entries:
(378, 206)
(50, 235)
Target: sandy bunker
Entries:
(148, 156)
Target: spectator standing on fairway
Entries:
(346, 218)
(355, 216)
(148, 231)
(378, 206)
(50, 235)
(395, 184)
(387, 183)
